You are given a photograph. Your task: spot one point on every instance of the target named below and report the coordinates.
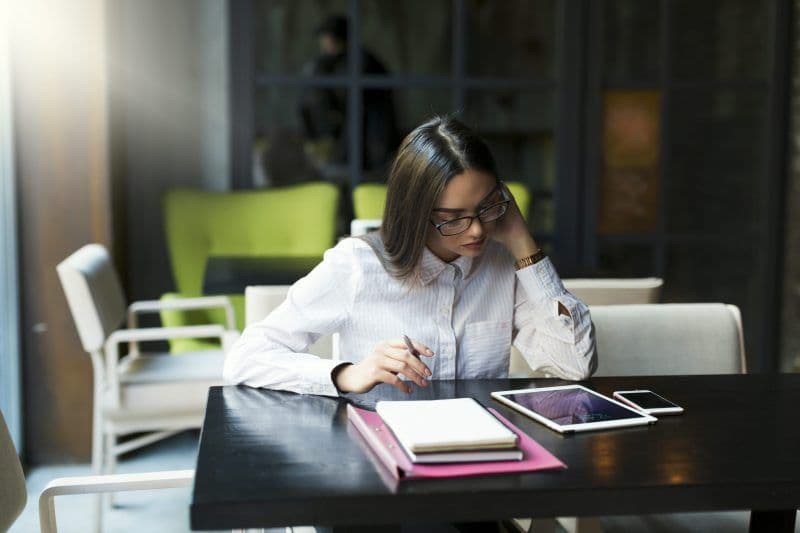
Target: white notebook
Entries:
(445, 425)
(465, 456)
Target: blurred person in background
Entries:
(324, 110)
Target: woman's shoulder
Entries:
(356, 251)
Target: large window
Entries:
(9, 294)
(340, 117)
(651, 134)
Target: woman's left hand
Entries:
(512, 231)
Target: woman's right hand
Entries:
(387, 362)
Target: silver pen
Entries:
(410, 346)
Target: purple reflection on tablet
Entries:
(572, 406)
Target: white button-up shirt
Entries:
(468, 312)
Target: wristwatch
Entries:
(530, 260)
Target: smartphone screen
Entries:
(648, 400)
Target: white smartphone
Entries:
(648, 402)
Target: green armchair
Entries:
(369, 199)
(294, 221)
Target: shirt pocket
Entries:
(485, 350)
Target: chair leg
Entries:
(584, 524)
(98, 458)
(542, 525)
(109, 466)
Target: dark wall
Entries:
(790, 313)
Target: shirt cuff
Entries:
(546, 291)
(541, 281)
(320, 381)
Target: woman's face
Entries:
(464, 195)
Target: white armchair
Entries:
(158, 394)
(362, 226)
(261, 300)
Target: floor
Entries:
(728, 522)
(168, 511)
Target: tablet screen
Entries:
(571, 406)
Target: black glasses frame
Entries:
(506, 202)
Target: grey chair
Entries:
(668, 339)
(13, 494)
(664, 339)
(12, 481)
(615, 291)
(598, 291)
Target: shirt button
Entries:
(443, 310)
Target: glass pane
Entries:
(720, 39)
(542, 215)
(518, 126)
(717, 160)
(391, 115)
(625, 260)
(631, 40)
(512, 38)
(629, 183)
(286, 150)
(300, 36)
(713, 271)
(415, 106)
(396, 32)
(549, 249)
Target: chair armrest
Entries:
(153, 334)
(102, 484)
(162, 334)
(182, 304)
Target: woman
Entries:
(453, 267)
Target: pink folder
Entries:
(383, 442)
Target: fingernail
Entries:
(428, 372)
(428, 351)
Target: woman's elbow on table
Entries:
(232, 368)
(238, 367)
(584, 355)
(589, 357)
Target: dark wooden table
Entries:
(272, 458)
(231, 274)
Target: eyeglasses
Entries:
(487, 214)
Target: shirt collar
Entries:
(431, 266)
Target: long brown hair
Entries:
(428, 157)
